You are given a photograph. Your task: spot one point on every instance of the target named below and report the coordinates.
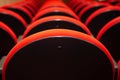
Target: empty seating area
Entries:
(60, 40)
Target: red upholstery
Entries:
(55, 10)
(80, 7)
(74, 3)
(91, 6)
(53, 3)
(35, 4)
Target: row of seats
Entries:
(56, 44)
(14, 19)
(13, 23)
(103, 20)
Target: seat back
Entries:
(7, 39)
(58, 54)
(15, 22)
(100, 17)
(23, 12)
(109, 36)
(58, 11)
(88, 10)
(54, 22)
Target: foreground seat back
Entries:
(58, 54)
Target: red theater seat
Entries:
(74, 3)
(53, 3)
(35, 4)
(55, 11)
(88, 10)
(100, 17)
(53, 22)
(29, 8)
(109, 36)
(15, 22)
(58, 54)
(78, 9)
(7, 39)
(23, 12)
(25, 5)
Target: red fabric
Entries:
(55, 9)
(20, 8)
(91, 6)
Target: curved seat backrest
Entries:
(88, 10)
(78, 9)
(55, 11)
(58, 54)
(100, 17)
(109, 36)
(53, 3)
(29, 9)
(54, 22)
(15, 22)
(7, 39)
(23, 12)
